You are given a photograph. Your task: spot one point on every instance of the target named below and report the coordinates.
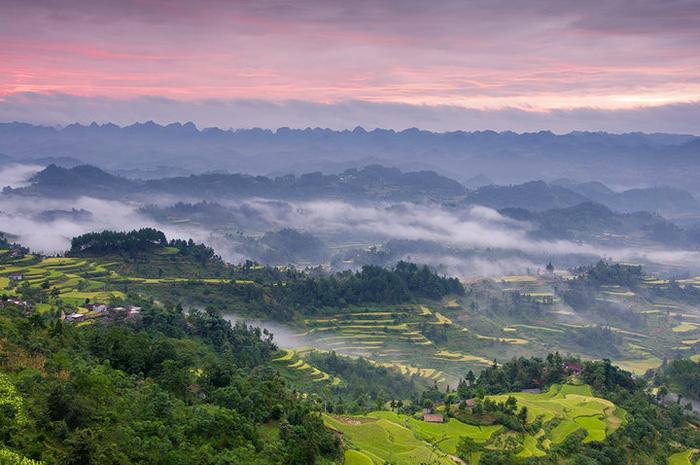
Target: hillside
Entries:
(386, 345)
(594, 222)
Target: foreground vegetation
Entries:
(176, 383)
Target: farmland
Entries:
(565, 409)
(562, 410)
(681, 458)
(76, 280)
(438, 340)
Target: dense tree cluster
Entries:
(617, 274)
(683, 376)
(405, 282)
(523, 373)
(599, 340)
(117, 242)
(137, 242)
(166, 388)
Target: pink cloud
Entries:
(564, 54)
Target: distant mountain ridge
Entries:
(370, 183)
(592, 221)
(505, 157)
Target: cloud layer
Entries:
(541, 55)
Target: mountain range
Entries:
(632, 160)
(370, 183)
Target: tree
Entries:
(522, 415)
(470, 377)
(466, 447)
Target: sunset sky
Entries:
(557, 63)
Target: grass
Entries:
(446, 435)
(639, 367)
(530, 448)
(355, 457)
(594, 426)
(402, 439)
(574, 406)
(563, 430)
(382, 440)
(580, 390)
(680, 458)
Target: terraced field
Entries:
(381, 440)
(446, 435)
(563, 410)
(292, 363)
(77, 279)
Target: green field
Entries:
(292, 364)
(77, 279)
(446, 435)
(563, 410)
(381, 440)
(681, 458)
(574, 408)
(355, 457)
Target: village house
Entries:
(16, 277)
(433, 418)
(132, 310)
(97, 307)
(14, 301)
(16, 253)
(573, 369)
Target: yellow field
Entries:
(518, 279)
(459, 357)
(505, 340)
(639, 367)
(685, 327)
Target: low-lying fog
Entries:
(46, 225)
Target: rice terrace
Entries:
(560, 412)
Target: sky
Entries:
(445, 64)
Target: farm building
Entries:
(433, 418)
(97, 307)
(573, 368)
